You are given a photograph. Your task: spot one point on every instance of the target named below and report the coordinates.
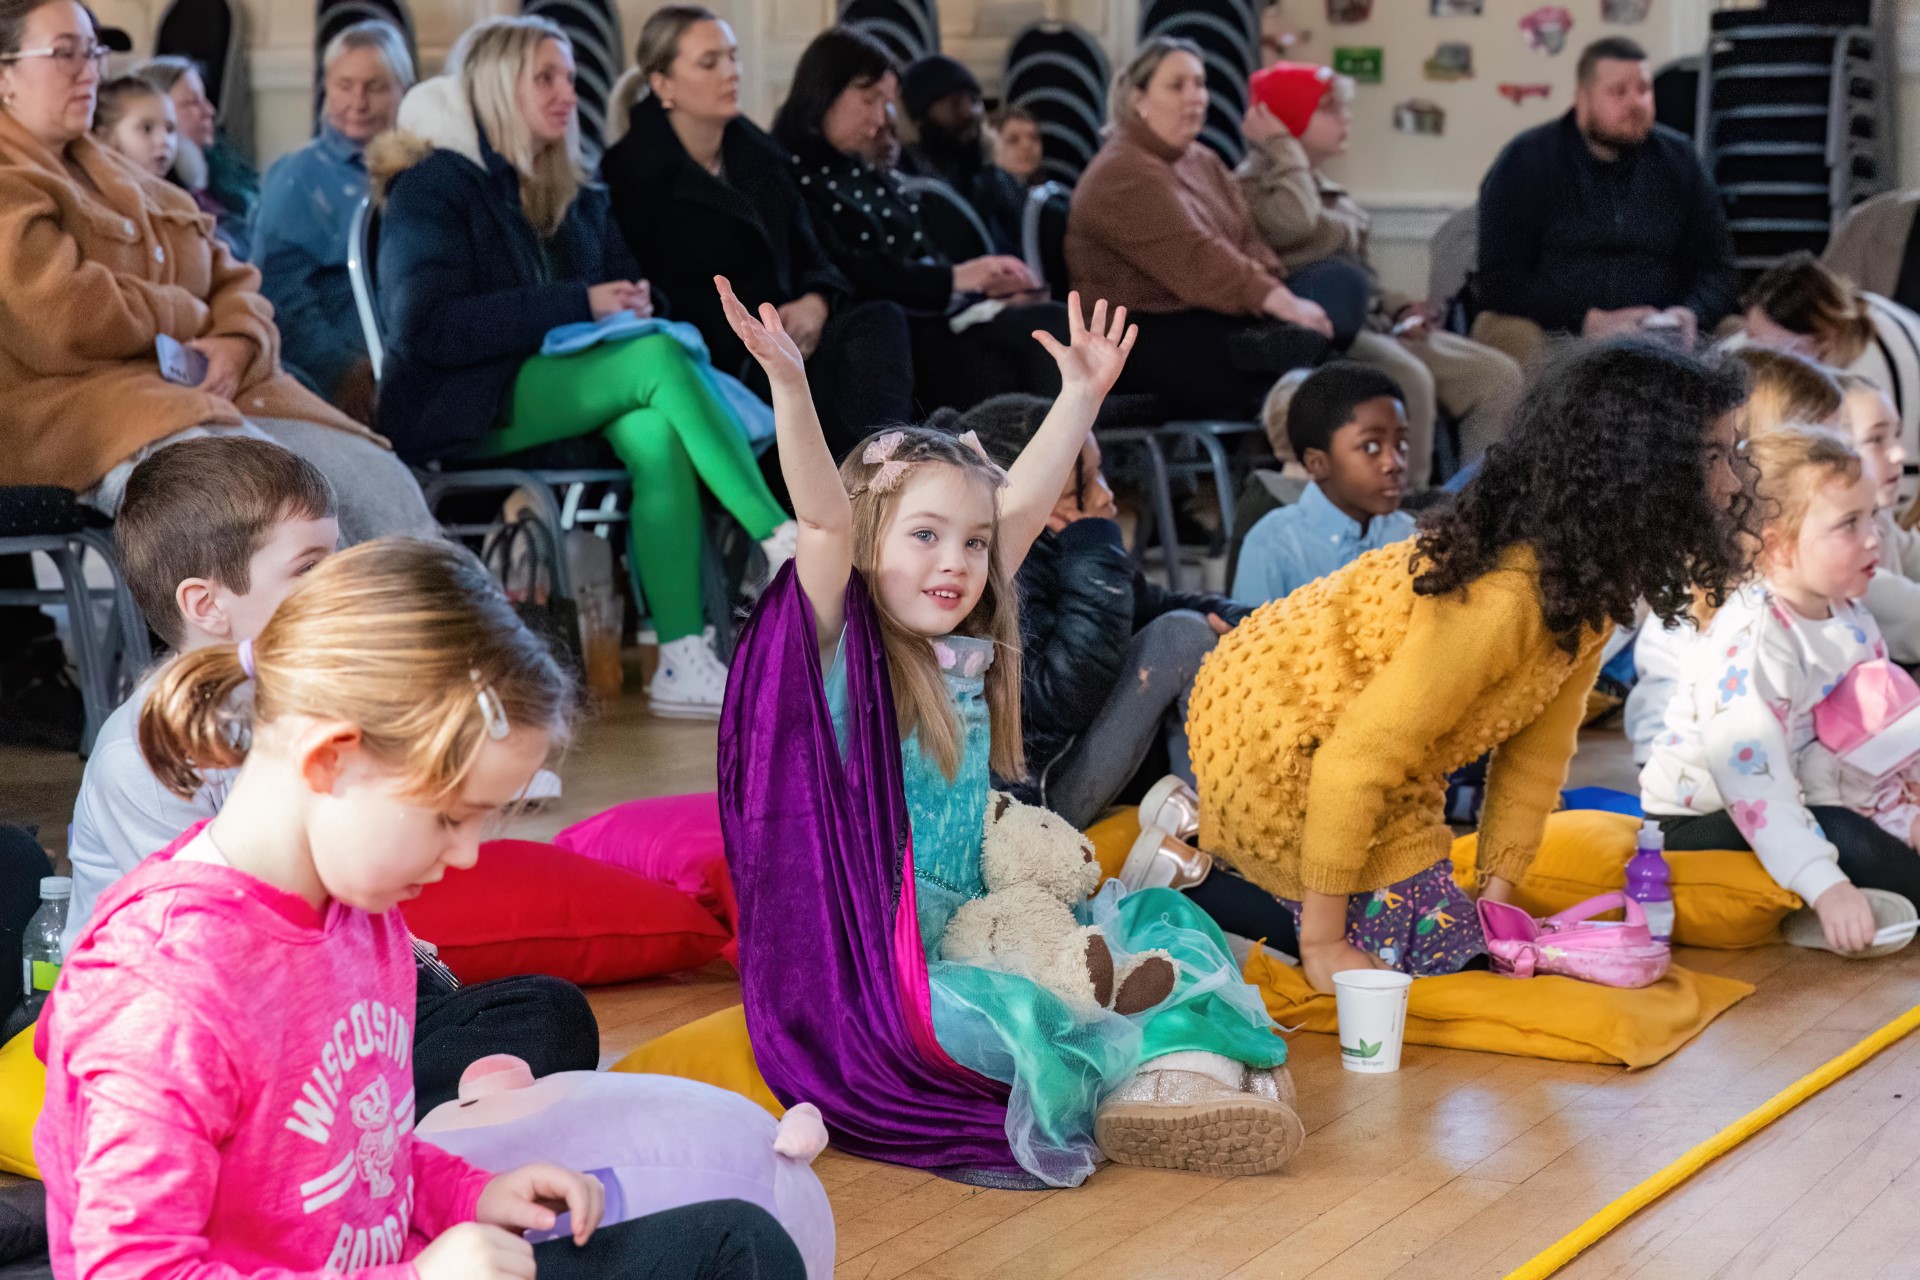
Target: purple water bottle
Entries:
(1648, 881)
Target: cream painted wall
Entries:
(1411, 182)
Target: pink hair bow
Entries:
(880, 454)
(972, 441)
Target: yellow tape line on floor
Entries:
(1588, 1233)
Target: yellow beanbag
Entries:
(23, 1091)
(1721, 898)
(713, 1050)
(1113, 839)
(1559, 1018)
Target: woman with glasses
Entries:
(103, 270)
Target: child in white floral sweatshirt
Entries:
(1724, 773)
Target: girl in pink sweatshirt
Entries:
(229, 1092)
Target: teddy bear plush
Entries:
(1037, 867)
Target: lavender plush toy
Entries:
(655, 1142)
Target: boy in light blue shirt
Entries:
(1348, 427)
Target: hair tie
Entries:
(246, 657)
(492, 713)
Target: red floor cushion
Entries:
(529, 907)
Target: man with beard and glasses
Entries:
(1602, 222)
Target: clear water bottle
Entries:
(40, 955)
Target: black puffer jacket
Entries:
(1081, 601)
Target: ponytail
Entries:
(189, 724)
(621, 100)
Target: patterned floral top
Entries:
(1743, 712)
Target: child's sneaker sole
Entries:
(1802, 928)
(1248, 1136)
(665, 710)
(1155, 801)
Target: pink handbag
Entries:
(1574, 945)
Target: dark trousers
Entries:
(1240, 906)
(714, 1240)
(545, 1021)
(22, 864)
(1871, 857)
(1343, 290)
(861, 374)
(995, 357)
(1202, 364)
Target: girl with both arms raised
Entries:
(855, 803)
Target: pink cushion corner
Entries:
(529, 907)
(671, 839)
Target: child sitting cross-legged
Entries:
(214, 534)
(850, 870)
(1739, 764)
(1347, 425)
(229, 1087)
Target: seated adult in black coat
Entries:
(872, 229)
(489, 241)
(699, 191)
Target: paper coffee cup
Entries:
(1372, 1008)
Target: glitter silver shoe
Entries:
(1169, 1119)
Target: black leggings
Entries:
(544, 1021)
(22, 865)
(1871, 857)
(1202, 364)
(714, 1240)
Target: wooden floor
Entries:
(1461, 1165)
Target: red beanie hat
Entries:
(1292, 91)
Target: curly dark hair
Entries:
(1604, 474)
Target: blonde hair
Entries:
(1793, 460)
(920, 696)
(1132, 80)
(659, 45)
(1784, 388)
(1273, 414)
(493, 58)
(406, 638)
(380, 36)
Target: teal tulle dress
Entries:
(1003, 1025)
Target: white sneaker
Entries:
(691, 683)
(1173, 807)
(1159, 861)
(779, 547)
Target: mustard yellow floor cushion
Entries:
(23, 1091)
(714, 1051)
(1113, 838)
(1722, 898)
(1559, 1018)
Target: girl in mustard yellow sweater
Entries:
(1324, 726)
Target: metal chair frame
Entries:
(110, 662)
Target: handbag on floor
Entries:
(522, 556)
(1573, 944)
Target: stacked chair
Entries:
(334, 16)
(1228, 33)
(909, 28)
(1797, 119)
(1059, 73)
(599, 54)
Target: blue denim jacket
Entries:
(300, 245)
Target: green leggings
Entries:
(672, 434)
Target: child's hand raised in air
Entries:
(1095, 352)
(766, 338)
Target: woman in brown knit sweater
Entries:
(1158, 223)
(1323, 727)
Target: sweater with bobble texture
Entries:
(1323, 727)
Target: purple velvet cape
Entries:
(818, 848)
